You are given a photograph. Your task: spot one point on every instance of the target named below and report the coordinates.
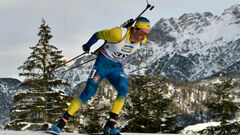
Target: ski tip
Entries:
(102, 134)
(95, 134)
(51, 132)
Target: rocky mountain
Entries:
(8, 88)
(190, 47)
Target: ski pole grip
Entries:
(151, 7)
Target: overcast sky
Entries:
(73, 22)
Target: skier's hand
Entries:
(128, 23)
(85, 48)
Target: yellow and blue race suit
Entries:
(108, 65)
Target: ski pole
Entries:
(71, 60)
(79, 65)
(93, 53)
(53, 70)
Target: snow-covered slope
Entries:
(42, 133)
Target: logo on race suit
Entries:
(119, 56)
(127, 48)
(95, 76)
(92, 73)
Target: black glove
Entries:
(85, 48)
(128, 23)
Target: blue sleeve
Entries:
(92, 40)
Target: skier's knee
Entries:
(88, 91)
(123, 90)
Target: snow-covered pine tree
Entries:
(223, 108)
(41, 102)
(148, 109)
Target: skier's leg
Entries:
(89, 90)
(97, 74)
(120, 82)
(91, 86)
(100, 69)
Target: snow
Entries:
(190, 130)
(27, 126)
(198, 127)
(9, 132)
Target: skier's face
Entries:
(142, 34)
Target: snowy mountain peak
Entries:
(232, 10)
(188, 48)
(194, 21)
(233, 13)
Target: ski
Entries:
(101, 134)
(52, 132)
(95, 134)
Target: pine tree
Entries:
(223, 108)
(41, 102)
(148, 108)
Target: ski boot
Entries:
(110, 127)
(56, 129)
(61, 123)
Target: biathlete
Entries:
(120, 42)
